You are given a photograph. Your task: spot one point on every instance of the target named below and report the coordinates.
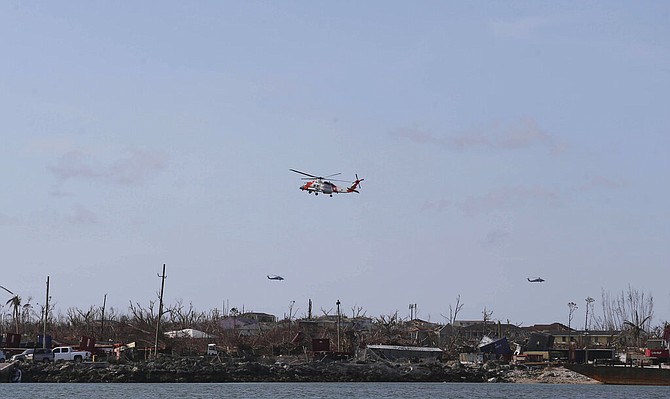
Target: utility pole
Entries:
(46, 317)
(102, 317)
(160, 311)
(338, 324)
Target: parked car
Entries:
(22, 356)
(41, 355)
(2, 357)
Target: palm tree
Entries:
(637, 326)
(26, 311)
(15, 301)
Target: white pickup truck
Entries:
(68, 353)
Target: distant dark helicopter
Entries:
(275, 277)
(536, 280)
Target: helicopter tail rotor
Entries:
(357, 183)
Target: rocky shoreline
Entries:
(207, 370)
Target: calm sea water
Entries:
(330, 391)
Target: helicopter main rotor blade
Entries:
(7, 290)
(323, 179)
(303, 173)
(314, 177)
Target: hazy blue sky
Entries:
(498, 141)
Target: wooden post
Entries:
(160, 311)
(46, 317)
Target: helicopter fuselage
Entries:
(316, 186)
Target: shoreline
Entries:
(205, 370)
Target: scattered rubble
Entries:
(548, 375)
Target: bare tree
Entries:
(181, 318)
(453, 334)
(357, 311)
(39, 314)
(142, 319)
(640, 312)
(82, 321)
(388, 326)
(326, 312)
(572, 306)
(630, 311)
(454, 310)
(486, 317)
(291, 312)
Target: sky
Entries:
(498, 141)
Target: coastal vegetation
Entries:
(629, 312)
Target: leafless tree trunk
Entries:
(486, 316)
(454, 334)
(357, 311)
(453, 310)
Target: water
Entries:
(331, 391)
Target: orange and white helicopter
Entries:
(319, 184)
